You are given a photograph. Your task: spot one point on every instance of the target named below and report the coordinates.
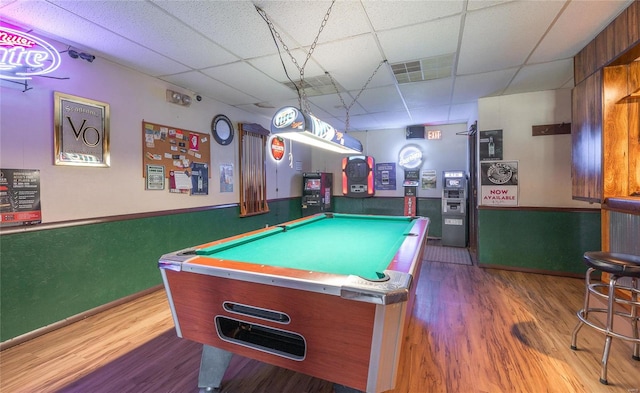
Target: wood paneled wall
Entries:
(603, 124)
(634, 127)
(586, 137)
(614, 42)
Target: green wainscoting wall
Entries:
(547, 240)
(49, 275)
(390, 206)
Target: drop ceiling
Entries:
(452, 52)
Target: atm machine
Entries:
(316, 192)
(454, 209)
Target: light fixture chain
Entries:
(348, 108)
(302, 96)
(315, 41)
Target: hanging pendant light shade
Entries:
(291, 123)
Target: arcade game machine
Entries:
(358, 176)
(316, 192)
(454, 209)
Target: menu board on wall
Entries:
(19, 197)
(176, 149)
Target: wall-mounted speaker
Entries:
(415, 132)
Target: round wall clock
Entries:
(222, 129)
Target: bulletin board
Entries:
(174, 148)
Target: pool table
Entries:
(327, 295)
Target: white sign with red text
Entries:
(499, 183)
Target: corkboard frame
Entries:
(169, 146)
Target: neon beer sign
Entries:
(23, 55)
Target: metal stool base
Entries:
(608, 292)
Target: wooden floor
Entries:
(473, 330)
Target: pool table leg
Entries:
(213, 364)
(345, 389)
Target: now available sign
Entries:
(499, 183)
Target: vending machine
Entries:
(454, 209)
(316, 192)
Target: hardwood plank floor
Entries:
(473, 330)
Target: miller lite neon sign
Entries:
(23, 55)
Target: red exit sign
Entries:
(434, 134)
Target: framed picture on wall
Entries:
(81, 131)
(491, 145)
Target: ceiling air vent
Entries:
(317, 86)
(430, 68)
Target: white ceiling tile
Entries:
(545, 76)
(488, 46)
(391, 119)
(381, 99)
(430, 115)
(566, 39)
(351, 62)
(211, 18)
(479, 4)
(361, 122)
(386, 15)
(53, 22)
(468, 88)
(418, 41)
(331, 104)
(464, 112)
(202, 84)
(301, 20)
(428, 93)
(152, 28)
(246, 78)
(274, 66)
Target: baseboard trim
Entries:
(529, 270)
(78, 317)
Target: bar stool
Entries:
(618, 266)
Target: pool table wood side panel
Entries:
(333, 327)
(409, 259)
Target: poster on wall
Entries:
(499, 183)
(199, 178)
(491, 145)
(81, 131)
(19, 197)
(179, 182)
(155, 177)
(226, 178)
(385, 176)
(429, 179)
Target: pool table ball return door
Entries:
(342, 328)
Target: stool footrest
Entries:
(603, 329)
(622, 301)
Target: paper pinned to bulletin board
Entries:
(174, 148)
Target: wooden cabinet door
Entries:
(586, 136)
